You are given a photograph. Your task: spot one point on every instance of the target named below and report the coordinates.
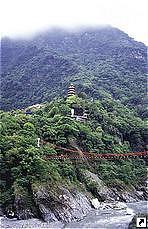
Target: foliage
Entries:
(109, 71)
(100, 61)
(111, 127)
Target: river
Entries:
(101, 219)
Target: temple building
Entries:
(71, 90)
(78, 113)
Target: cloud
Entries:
(24, 17)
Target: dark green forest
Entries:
(96, 60)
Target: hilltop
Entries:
(33, 186)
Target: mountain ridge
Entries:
(93, 59)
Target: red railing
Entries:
(90, 155)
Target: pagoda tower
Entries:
(71, 90)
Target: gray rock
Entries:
(103, 192)
(1, 211)
(21, 208)
(95, 203)
(47, 215)
(144, 189)
(61, 205)
(29, 223)
(129, 195)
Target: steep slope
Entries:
(38, 79)
(31, 185)
(98, 59)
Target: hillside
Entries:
(33, 186)
(98, 60)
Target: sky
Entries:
(23, 18)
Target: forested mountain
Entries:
(30, 184)
(108, 69)
(97, 60)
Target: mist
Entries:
(25, 18)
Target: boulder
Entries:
(102, 192)
(95, 203)
(120, 205)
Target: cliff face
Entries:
(63, 205)
(60, 203)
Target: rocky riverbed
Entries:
(102, 218)
(64, 206)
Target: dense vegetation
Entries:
(96, 60)
(109, 70)
(110, 127)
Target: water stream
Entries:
(101, 219)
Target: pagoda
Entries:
(71, 90)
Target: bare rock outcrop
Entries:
(104, 193)
(63, 204)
